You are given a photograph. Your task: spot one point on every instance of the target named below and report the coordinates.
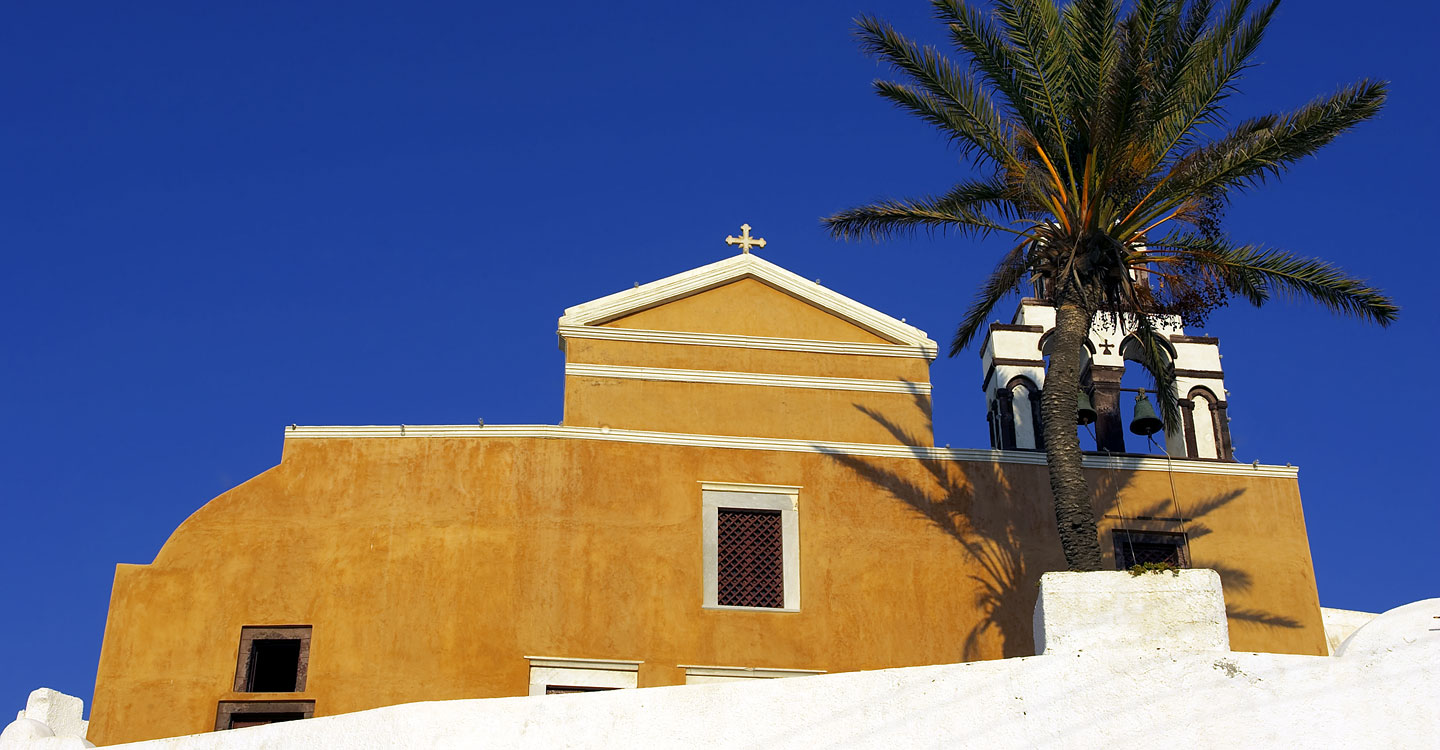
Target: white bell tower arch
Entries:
(1012, 359)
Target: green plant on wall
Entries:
(1153, 567)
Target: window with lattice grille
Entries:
(1137, 548)
(750, 558)
(751, 546)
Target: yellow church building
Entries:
(744, 486)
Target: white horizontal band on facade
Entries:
(745, 378)
(741, 672)
(560, 662)
(924, 453)
(735, 341)
(763, 489)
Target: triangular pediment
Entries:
(746, 295)
(747, 307)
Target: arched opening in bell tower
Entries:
(1135, 381)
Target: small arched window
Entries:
(1133, 351)
(1024, 413)
(1203, 424)
(1020, 412)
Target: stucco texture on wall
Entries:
(1378, 692)
(428, 568)
(748, 307)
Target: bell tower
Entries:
(1012, 360)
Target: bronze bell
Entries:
(1145, 421)
(1085, 411)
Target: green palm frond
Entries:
(1206, 77)
(1034, 31)
(1004, 281)
(1120, 100)
(984, 45)
(1090, 31)
(1181, 27)
(944, 96)
(1316, 280)
(1265, 147)
(1097, 122)
(962, 209)
(1256, 273)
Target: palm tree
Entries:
(1104, 153)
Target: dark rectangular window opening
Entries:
(750, 559)
(567, 689)
(273, 659)
(274, 665)
(1139, 547)
(241, 714)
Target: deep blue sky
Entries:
(220, 218)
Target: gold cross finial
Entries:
(745, 241)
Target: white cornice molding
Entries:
(560, 662)
(734, 268)
(763, 489)
(924, 453)
(690, 338)
(725, 377)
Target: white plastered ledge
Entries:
(736, 341)
(555, 671)
(782, 498)
(921, 452)
(701, 675)
(730, 377)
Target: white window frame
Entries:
(547, 671)
(696, 675)
(784, 498)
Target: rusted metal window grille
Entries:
(1135, 548)
(750, 559)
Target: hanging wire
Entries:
(1119, 505)
(1175, 500)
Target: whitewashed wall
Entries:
(1379, 691)
(1340, 624)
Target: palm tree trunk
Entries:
(1073, 514)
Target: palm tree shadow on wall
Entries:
(1007, 565)
(1191, 517)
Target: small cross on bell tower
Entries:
(745, 241)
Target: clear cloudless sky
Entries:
(221, 218)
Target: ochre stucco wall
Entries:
(756, 411)
(750, 308)
(747, 307)
(429, 567)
